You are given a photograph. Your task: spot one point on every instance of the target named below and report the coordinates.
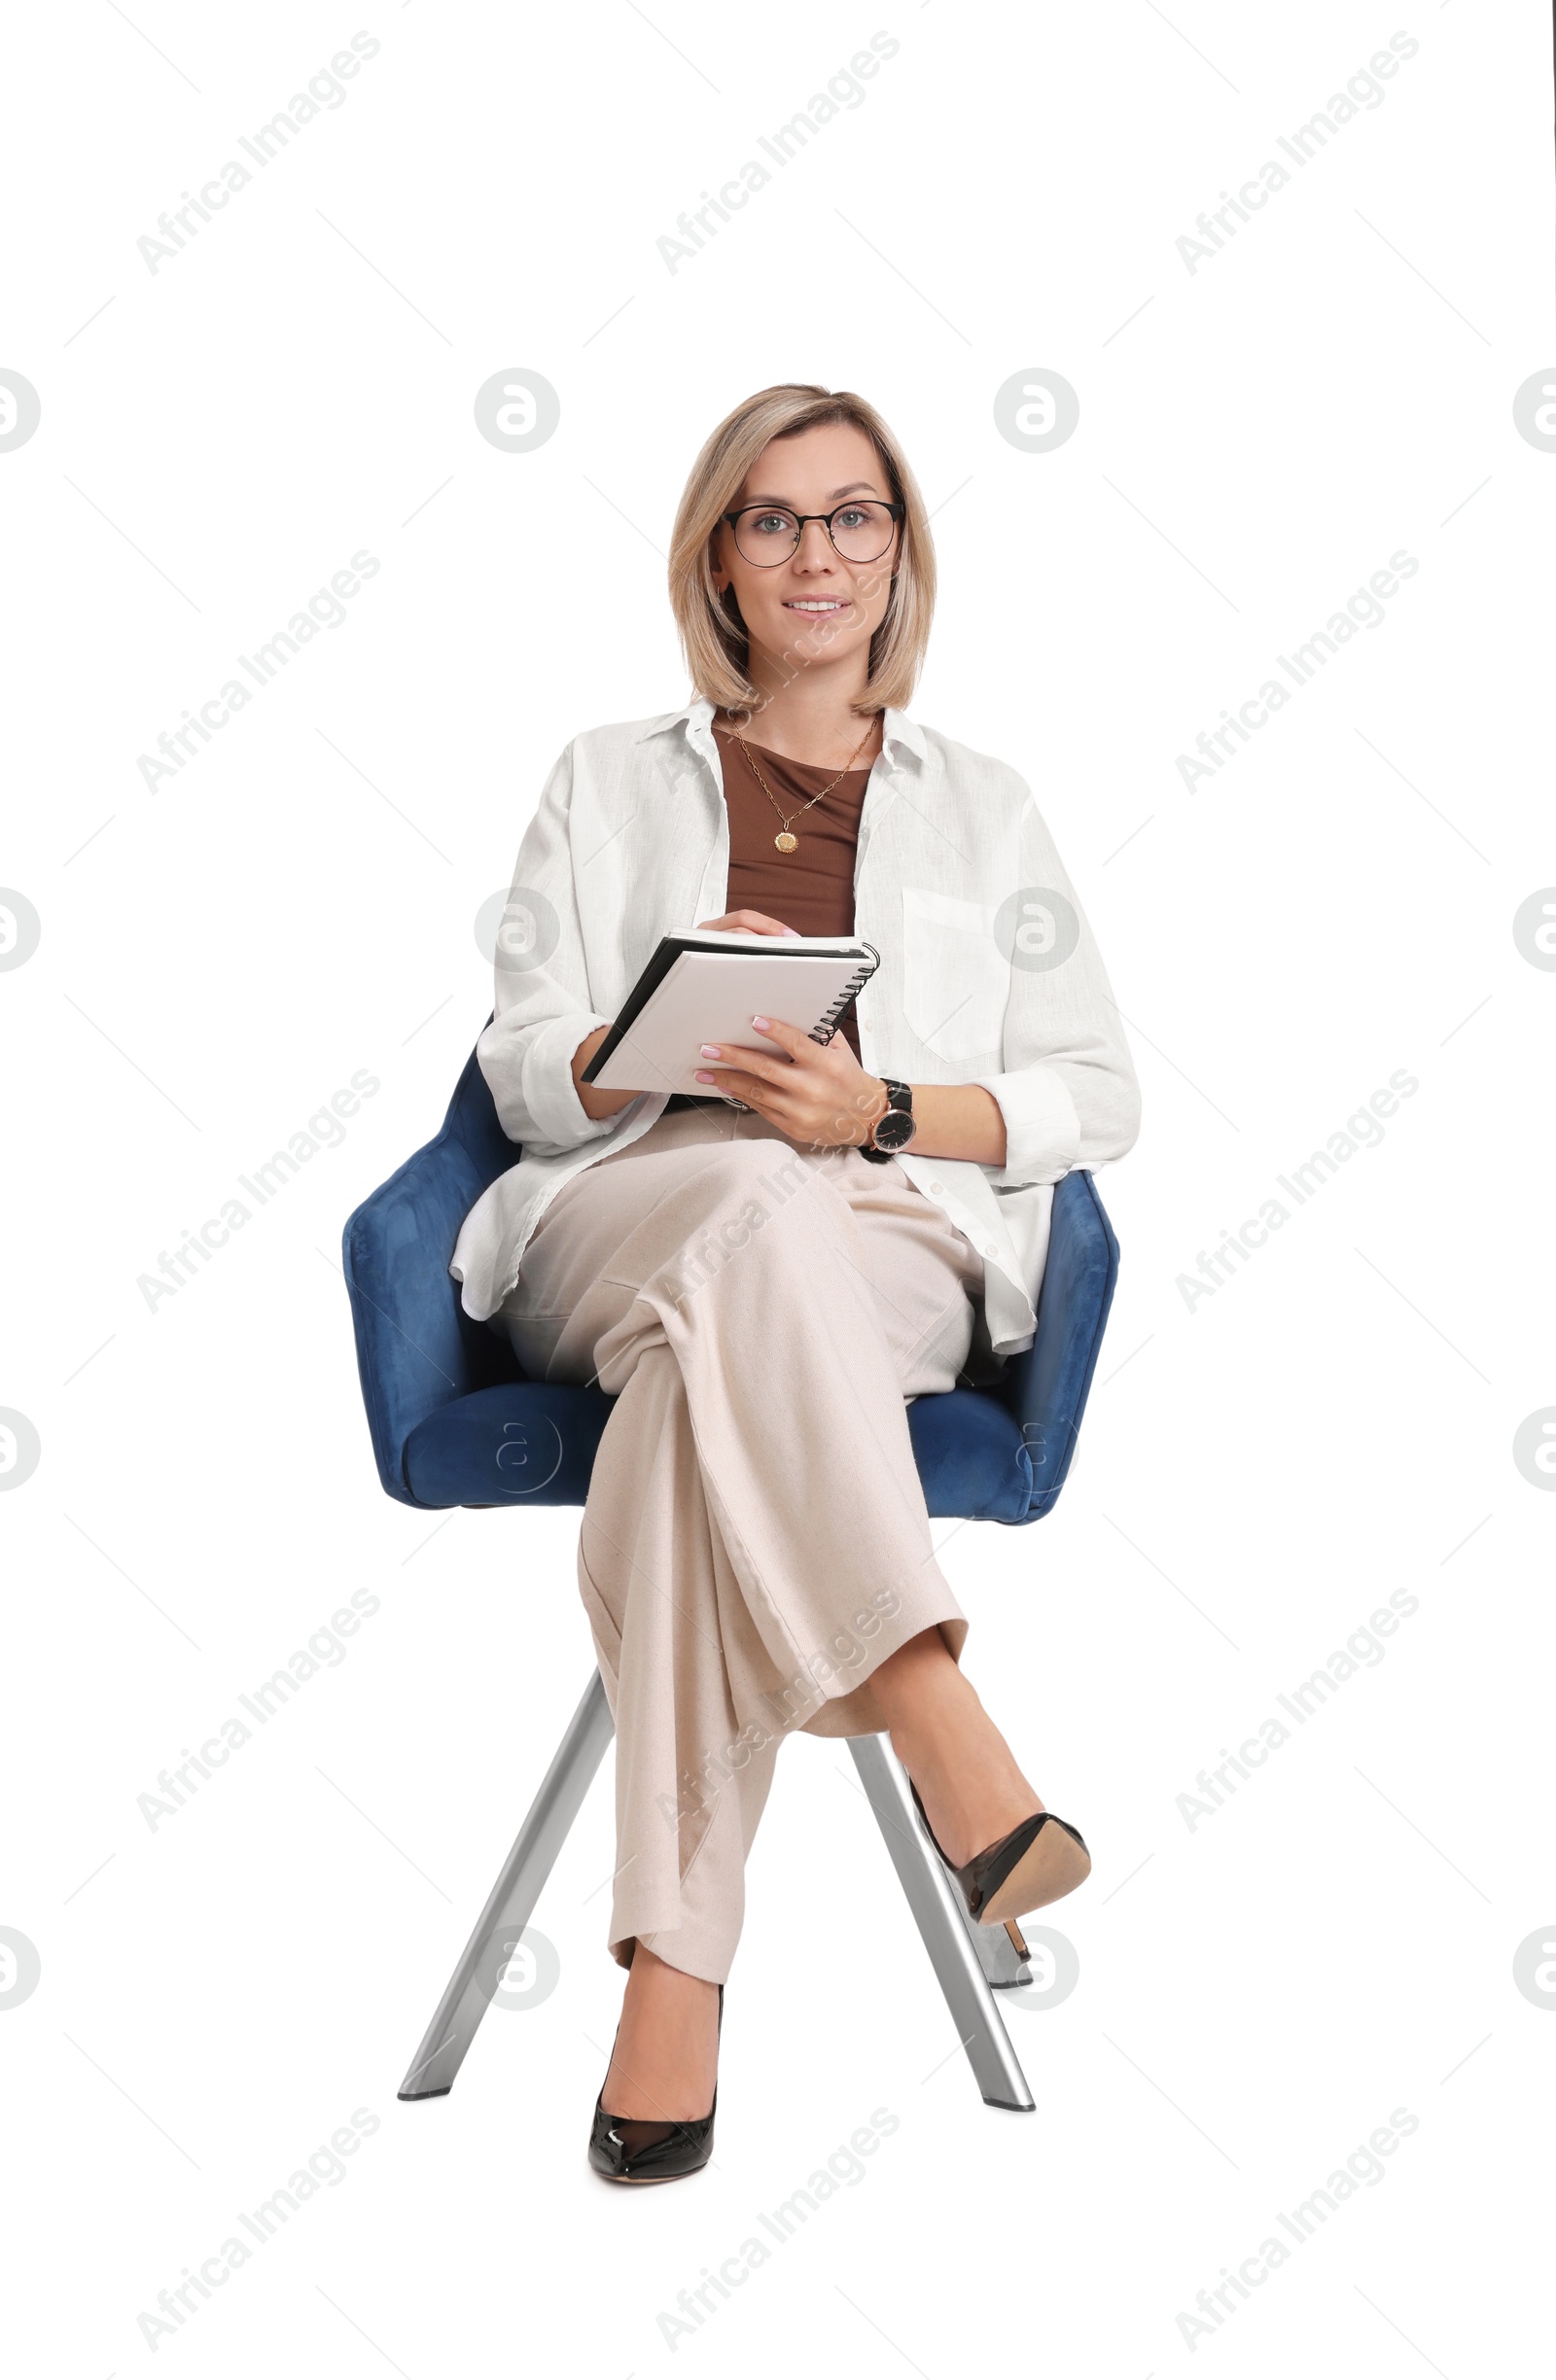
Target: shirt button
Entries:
(989, 1248)
(935, 1188)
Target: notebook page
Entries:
(709, 995)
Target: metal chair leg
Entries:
(967, 1959)
(513, 1897)
(956, 1953)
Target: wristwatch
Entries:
(896, 1127)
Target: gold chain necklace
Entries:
(786, 842)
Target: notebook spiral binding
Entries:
(827, 1029)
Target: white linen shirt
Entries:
(952, 882)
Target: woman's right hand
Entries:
(745, 921)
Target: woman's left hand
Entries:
(814, 1091)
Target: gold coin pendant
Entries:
(786, 842)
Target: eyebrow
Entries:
(855, 487)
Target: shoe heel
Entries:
(1054, 1863)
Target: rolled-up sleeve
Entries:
(1041, 1129)
(542, 1009)
(1068, 1090)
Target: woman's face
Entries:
(813, 609)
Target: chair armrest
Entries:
(1047, 1385)
(416, 1348)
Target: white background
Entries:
(1257, 1474)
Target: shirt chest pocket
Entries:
(955, 983)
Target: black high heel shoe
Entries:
(1038, 1861)
(632, 2149)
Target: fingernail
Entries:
(709, 1050)
(793, 930)
(761, 1022)
(703, 1076)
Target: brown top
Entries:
(813, 887)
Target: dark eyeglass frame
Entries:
(897, 511)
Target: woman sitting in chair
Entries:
(762, 1276)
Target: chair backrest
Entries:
(418, 1350)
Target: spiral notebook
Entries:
(707, 987)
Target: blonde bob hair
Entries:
(713, 635)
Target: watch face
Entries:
(895, 1130)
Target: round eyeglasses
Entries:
(769, 534)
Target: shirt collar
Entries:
(902, 731)
(696, 718)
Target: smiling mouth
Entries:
(820, 606)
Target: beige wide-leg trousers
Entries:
(756, 1541)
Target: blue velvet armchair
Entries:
(453, 1421)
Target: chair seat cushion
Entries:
(531, 1442)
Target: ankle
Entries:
(967, 1777)
(665, 2061)
(651, 1982)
